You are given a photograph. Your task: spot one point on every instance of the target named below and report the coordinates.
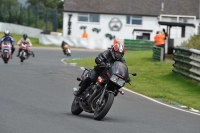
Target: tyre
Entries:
(5, 60)
(102, 109)
(75, 108)
(22, 56)
(5, 54)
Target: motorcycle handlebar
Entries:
(106, 65)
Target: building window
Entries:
(134, 20)
(83, 17)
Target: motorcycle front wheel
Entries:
(75, 108)
(102, 109)
(5, 55)
(5, 60)
(22, 56)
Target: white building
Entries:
(131, 19)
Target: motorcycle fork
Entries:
(102, 95)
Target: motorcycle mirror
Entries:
(134, 74)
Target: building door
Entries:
(146, 36)
(143, 36)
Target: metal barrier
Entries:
(138, 44)
(187, 62)
(157, 53)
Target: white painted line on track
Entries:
(63, 61)
(82, 68)
(160, 102)
(72, 64)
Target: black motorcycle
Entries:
(99, 96)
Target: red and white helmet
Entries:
(117, 51)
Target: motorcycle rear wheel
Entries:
(75, 107)
(101, 110)
(21, 60)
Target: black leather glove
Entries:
(103, 63)
(108, 65)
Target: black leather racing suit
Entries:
(102, 58)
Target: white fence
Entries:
(76, 42)
(19, 29)
(56, 39)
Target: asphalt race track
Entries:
(36, 97)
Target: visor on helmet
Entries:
(118, 55)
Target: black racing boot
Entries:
(76, 92)
(33, 55)
(85, 84)
(18, 54)
(64, 51)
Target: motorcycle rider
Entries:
(65, 46)
(8, 37)
(25, 40)
(116, 53)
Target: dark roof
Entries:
(134, 7)
(142, 30)
(176, 24)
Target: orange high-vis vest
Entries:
(159, 39)
(85, 35)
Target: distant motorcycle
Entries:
(66, 48)
(99, 96)
(23, 55)
(6, 51)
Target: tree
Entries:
(6, 10)
(52, 4)
(9, 1)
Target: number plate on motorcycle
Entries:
(5, 47)
(117, 80)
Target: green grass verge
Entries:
(156, 79)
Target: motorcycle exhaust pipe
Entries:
(93, 96)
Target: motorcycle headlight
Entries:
(117, 80)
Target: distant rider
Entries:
(8, 37)
(108, 56)
(25, 40)
(65, 46)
